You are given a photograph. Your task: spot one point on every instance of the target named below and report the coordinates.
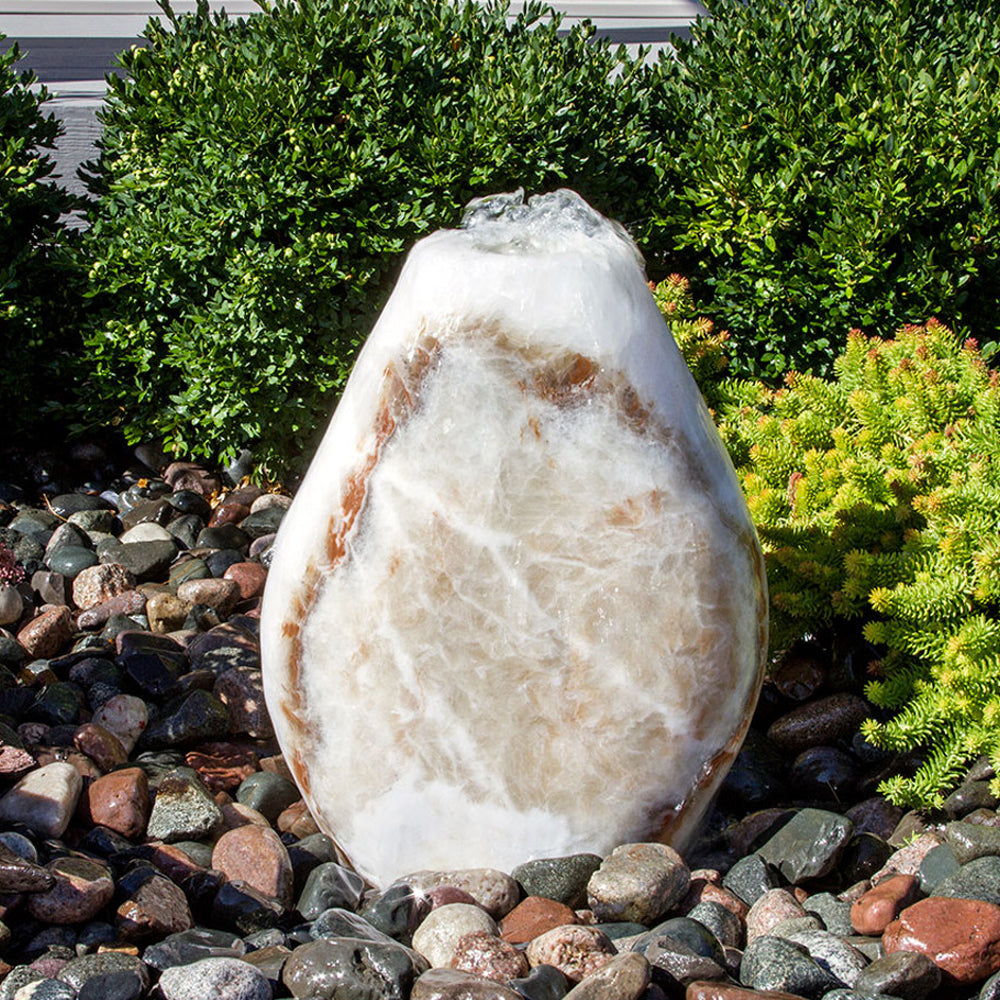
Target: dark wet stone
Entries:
(756, 776)
(397, 911)
(624, 928)
(186, 530)
(969, 796)
(113, 986)
(263, 522)
(105, 521)
(11, 654)
(242, 908)
(153, 662)
(222, 659)
(92, 935)
(201, 887)
(34, 522)
(29, 551)
(307, 854)
(689, 932)
(722, 922)
(219, 561)
(146, 512)
(330, 886)
(939, 863)
(562, 879)
(193, 945)
(154, 908)
(338, 923)
(92, 670)
(270, 794)
(824, 773)
(58, 704)
(819, 722)
(17, 702)
(199, 717)
(189, 502)
(905, 974)
(751, 877)
(809, 845)
(864, 855)
(969, 841)
(198, 851)
(147, 561)
(17, 874)
(544, 982)
(801, 672)
(80, 970)
(67, 536)
(875, 815)
(225, 536)
(835, 913)
(771, 963)
(69, 560)
(201, 618)
(979, 879)
(673, 963)
(352, 967)
(159, 763)
(270, 961)
(67, 504)
(52, 588)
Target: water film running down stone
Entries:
(518, 607)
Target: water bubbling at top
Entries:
(557, 222)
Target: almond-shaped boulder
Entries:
(518, 607)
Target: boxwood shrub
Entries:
(38, 290)
(836, 166)
(259, 179)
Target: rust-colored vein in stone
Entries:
(397, 399)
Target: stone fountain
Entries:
(518, 607)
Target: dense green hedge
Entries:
(38, 310)
(259, 180)
(837, 166)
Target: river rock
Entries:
(961, 936)
(808, 845)
(479, 643)
(454, 984)
(221, 978)
(438, 936)
(352, 967)
(562, 879)
(488, 955)
(575, 951)
(44, 799)
(638, 882)
(82, 888)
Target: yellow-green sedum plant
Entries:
(876, 495)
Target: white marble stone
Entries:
(126, 716)
(44, 799)
(517, 608)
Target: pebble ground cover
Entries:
(152, 844)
